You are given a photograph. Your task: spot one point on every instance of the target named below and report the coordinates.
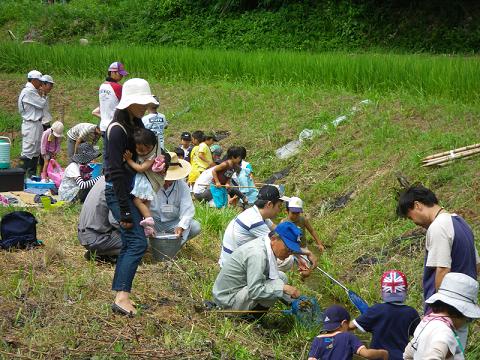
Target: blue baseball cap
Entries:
(290, 235)
(334, 315)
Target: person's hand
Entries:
(311, 257)
(291, 290)
(127, 155)
(320, 248)
(218, 185)
(179, 231)
(44, 176)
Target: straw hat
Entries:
(136, 91)
(178, 168)
(461, 292)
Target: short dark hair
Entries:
(234, 152)
(244, 152)
(145, 137)
(262, 203)
(179, 152)
(439, 307)
(198, 135)
(415, 193)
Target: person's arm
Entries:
(77, 143)
(352, 325)
(373, 353)
(34, 99)
(216, 169)
(408, 352)
(314, 234)
(96, 112)
(440, 273)
(139, 168)
(257, 285)
(187, 209)
(82, 184)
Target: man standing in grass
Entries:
(449, 245)
(110, 93)
(31, 105)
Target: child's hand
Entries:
(218, 185)
(127, 156)
(321, 248)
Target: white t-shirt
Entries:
(157, 123)
(108, 100)
(203, 182)
(439, 241)
(69, 188)
(433, 339)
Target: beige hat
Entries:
(136, 91)
(178, 168)
(57, 128)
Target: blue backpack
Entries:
(18, 230)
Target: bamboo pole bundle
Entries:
(454, 151)
(443, 160)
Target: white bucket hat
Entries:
(57, 128)
(47, 78)
(461, 292)
(178, 168)
(136, 91)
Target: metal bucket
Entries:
(165, 246)
(5, 145)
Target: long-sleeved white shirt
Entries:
(31, 104)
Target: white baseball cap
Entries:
(57, 128)
(295, 205)
(47, 78)
(34, 74)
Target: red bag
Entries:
(55, 172)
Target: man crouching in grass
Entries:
(250, 279)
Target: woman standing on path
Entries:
(119, 181)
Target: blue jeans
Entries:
(134, 244)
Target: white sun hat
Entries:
(47, 78)
(136, 91)
(461, 292)
(178, 168)
(34, 74)
(57, 128)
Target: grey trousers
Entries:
(32, 132)
(243, 302)
(70, 149)
(102, 244)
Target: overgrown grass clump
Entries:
(450, 77)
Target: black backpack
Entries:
(18, 230)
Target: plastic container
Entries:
(12, 179)
(97, 169)
(39, 184)
(165, 246)
(5, 145)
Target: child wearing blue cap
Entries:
(392, 322)
(337, 343)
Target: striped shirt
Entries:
(84, 131)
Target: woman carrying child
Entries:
(151, 167)
(50, 145)
(222, 174)
(77, 181)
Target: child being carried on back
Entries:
(151, 167)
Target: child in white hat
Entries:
(50, 145)
(453, 306)
(295, 215)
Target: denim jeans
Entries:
(134, 244)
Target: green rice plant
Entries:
(451, 77)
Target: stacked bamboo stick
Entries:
(443, 158)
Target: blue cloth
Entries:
(142, 188)
(133, 241)
(463, 257)
(391, 326)
(219, 195)
(244, 179)
(341, 346)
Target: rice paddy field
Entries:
(55, 305)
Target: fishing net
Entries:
(306, 310)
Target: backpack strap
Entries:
(115, 124)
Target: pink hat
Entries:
(394, 286)
(118, 67)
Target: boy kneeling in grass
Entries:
(392, 322)
(337, 343)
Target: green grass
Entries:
(55, 303)
(450, 77)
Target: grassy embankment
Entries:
(56, 304)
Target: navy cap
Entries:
(290, 235)
(270, 193)
(186, 136)
(334, 315)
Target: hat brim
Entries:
(293, 246)
(123, 73)
(468, 309)
(57, 134)
(284, 198)
(295, 209)
(85, 159)
(397, 297)
(136, 99)
(176, 172)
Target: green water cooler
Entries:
(5, 145)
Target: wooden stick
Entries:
(451, 155)
(242, 311)
(434, 156)
(232, 186)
